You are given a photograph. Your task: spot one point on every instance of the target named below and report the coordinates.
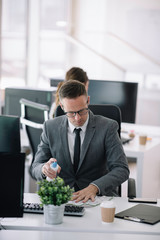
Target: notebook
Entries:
(141, 213)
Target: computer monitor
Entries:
(10, 134)
(13, 96)
(55, 81)
(11, 184)
(122, 94)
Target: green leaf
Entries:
(54, 192)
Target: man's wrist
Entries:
(98, 190)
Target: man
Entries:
(102, 165)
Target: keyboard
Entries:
(70, 210)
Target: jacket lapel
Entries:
(64, 140)
(90, 131)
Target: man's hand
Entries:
(48, 171)
(85, 194)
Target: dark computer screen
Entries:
(12, 167)
(13, 96)
(11, 184)
(10, 134)
(55, 81)
(122, 94)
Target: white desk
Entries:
(89, 223)
(48, 235)
(147, 158)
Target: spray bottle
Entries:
(54, 166)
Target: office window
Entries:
(13, 42)
(53, 27)
(32, 41)
(53, 14)
(38, 41)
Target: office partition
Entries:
(13, 96)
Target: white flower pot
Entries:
(53, 214)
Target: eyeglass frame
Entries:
(79, 112)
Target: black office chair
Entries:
(113, 112)
(109, 111)
(33, 116)
(59, 111)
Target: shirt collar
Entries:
(71, 127)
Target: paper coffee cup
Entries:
(142, 139)
(107, 211)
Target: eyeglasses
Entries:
(81, 112)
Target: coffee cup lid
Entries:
(142, 134)
(107, 204)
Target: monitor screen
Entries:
(54, 82)
(13, 96)
(11, 184)
(122, 94)
(10, 134)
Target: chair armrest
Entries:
(131, 188)
(34, 104)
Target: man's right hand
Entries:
(48, 171)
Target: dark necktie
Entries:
(77, 146)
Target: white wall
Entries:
(148, 108)
(137, 22)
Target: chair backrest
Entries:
(59, 111)
(33, 116)
(106, 110)
(10, 134)
(110, 111)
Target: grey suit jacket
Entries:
(102, 160)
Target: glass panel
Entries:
(53, 27)
(54, 14)
(13, 43)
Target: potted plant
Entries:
(54, 195)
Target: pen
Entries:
(135, 219)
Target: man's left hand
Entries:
(85, 194)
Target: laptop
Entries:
(11, 184)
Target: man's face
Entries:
(74, 105)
